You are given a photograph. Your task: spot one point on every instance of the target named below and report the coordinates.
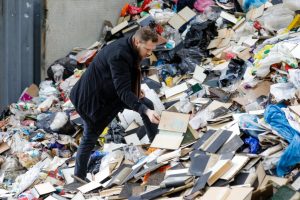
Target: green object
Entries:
(284, 193)
(143, 14)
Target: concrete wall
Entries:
(76, 23)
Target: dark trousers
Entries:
(91, 134)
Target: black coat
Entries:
(108, 84)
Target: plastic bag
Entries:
(292, 4)
(249, 125)
(275, 116)
(253, 144)
(161, 16)
(277, 54)
(295, 77)
(47, 89)
(283, 91)
(58, 71)
(23, 181)
(185, 106)
(281, 13)
(190, 57)
(202, 5)
(200, 119)
(233, 74)
(132, 153)
(112, 157)
(249, 4)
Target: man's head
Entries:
(145, 40)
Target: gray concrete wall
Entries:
(76, 23)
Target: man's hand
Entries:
(153, 116)
(142, 95)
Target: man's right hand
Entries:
(153, 116)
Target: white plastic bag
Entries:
(292, 4)
(283, 91)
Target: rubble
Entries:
(225, 79)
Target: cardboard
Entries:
(182, 17)
(176, 90)
(163, 141)
(42, 189)
(119, 27)
(228, 17)
(4, 147)
(251, 95)
(238, 162)
(89, 187)
(176, 122)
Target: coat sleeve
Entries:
(121, 76)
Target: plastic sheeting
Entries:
(278, 121)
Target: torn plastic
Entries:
(58, 71)
(68, 64)
(110, 158)
(18, 144)
(233, 74)
(249, 125)
(132, 153)
(56, 122)
(185, 106)
(281, 13)
(292, 4)
(190, 57)
(47, 89)
(23, 181)
(45, 105)
(200, 34)
(200, 119)
(276, 118)
(277, 54)
(253, 143)
(283, 91)
(295, 77)
(161, 16)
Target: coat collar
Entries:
(135, 53)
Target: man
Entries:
(110, 84)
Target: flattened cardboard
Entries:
(198, 74)
(119, 27)
(295, 109)
(182, 17)
(44, 188)
(216, 193)
(89, 187)
(176, 90)
(252, 94)
(229, 17)
(67, 173)
(163, 141)
(218, 170)
(171, 121)
(238, 162)
(4, 147)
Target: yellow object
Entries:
(169, 81)
(295, 23)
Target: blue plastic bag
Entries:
(249, 4)
(278, 121)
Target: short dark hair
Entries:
(146, 33)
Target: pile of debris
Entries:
(225, 79)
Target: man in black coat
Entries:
(110, 84)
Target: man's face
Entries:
(145, 48)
